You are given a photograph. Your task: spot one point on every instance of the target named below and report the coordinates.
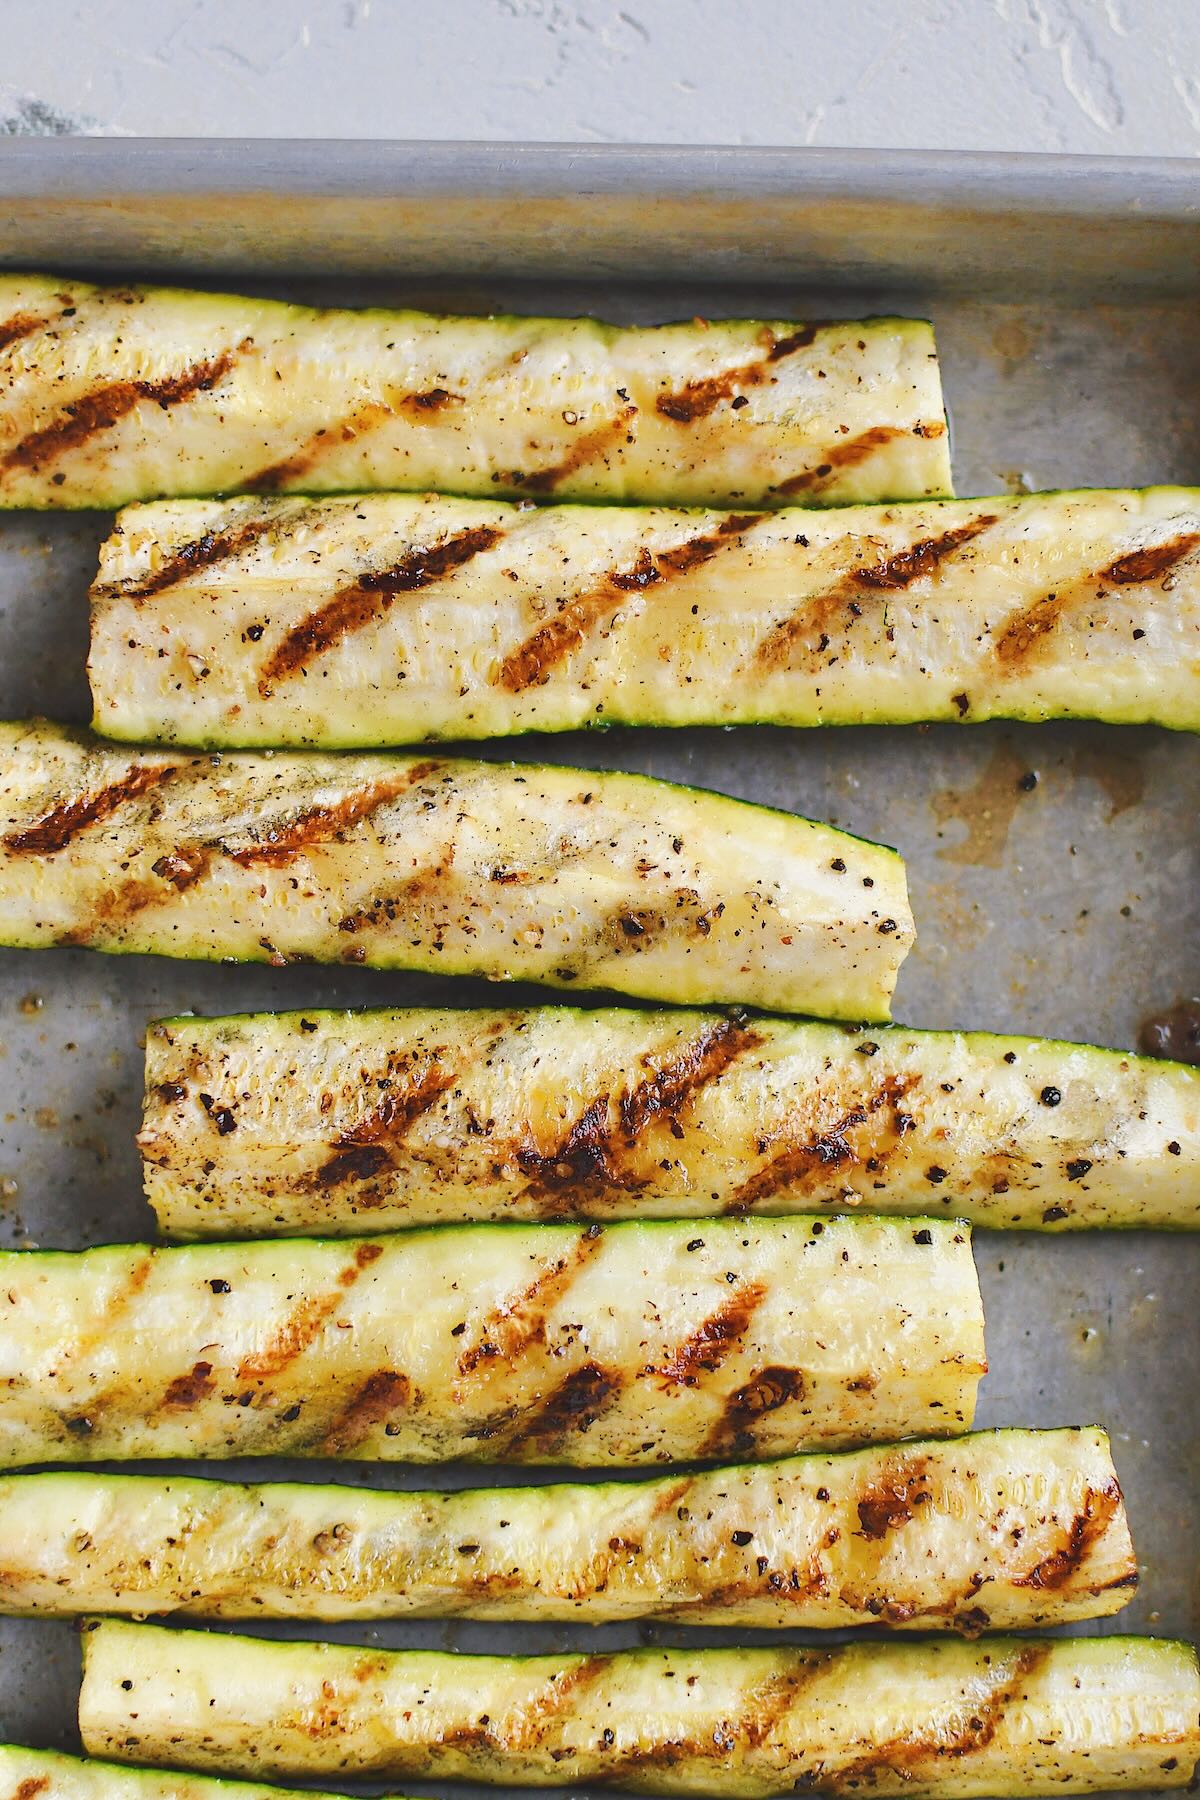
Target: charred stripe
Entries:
(103, 407)
(530, 664)
(586, 448)
(511, 1330)
(846, 455)
(55, 829)
(205, 552)
(278, 843)
(705, 1350)
(369, 597)
(697, 399)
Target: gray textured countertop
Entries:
(1109, 76)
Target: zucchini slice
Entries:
(115, 394)
(279, 1123)
(390, 618)
(511, 871)
(51, 1775)
(1006, 1716)
(1008, 1529)
(622, 1344)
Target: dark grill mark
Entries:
(1029, 629)
(1100, 1507)
(665, 1093)
(305, 1323)
(202, 553)
(54, 831)
(889, 1502)
(800, 339)
(573, 1406)
(362, 1152)
(846, 455)
(947, 1737)
(369, 598)
(586, 448)
(190, 1389)
(765, 1392)
(511, 1330)
(584, 1155)
(20, 325)
(359, 1163)
(706, 1349)
(698, 399)
(308, 454)
(183, 868)
(530, 664)
(921, 559)
(105, 406)
(382, 1394)
(32, 1785)
(1147, 565)
(591, 1152)
(817, 617)
(317, 824)
(830, 1149)
(433, 400)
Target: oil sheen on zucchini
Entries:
(561, 876)
(391, 618)
(372, 1121)
(115, 394)
(1004, 1716)
(51, 1775)
(617, 1344)
(1007, 1529)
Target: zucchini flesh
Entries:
(510, 871)
(390, 618)
(1008, 1529)
(348, 1121)
(1007, 1716)
(51, 1775)
(542, 1343)
(117, 394)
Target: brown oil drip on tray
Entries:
(1174, 1033)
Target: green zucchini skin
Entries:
(117, 394)
(509, 871)
(1006, 1716)
(393, 618)
(271, 1124)
(618, 1345)
(52, 1775)
(1006, 1529)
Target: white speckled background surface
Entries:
(1110, 76)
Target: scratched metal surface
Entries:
(1072, 909)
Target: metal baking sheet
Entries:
(1064, 293)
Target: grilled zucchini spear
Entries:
(1010, 1529)
(116, 394)
(517, 1343)
(554, 875)
(389, 619)
(342, 1122)
(50, 1775)
(1006, 1716)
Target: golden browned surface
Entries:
(114, 394)
(548, 1343)
(1007, 1529)
(378, 1120)
(563, 876)
(1006, 1716)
